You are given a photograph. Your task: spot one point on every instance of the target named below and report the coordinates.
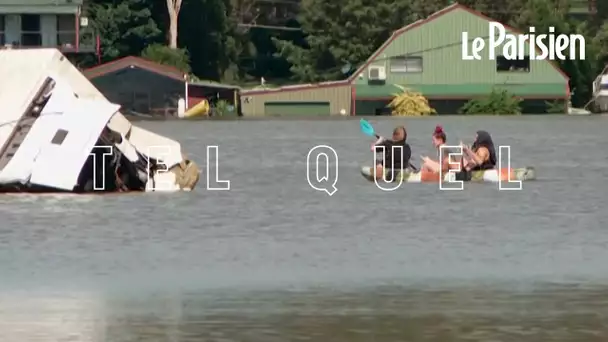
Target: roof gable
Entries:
(432, 17)
(142, 63)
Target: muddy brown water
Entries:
(274, 260)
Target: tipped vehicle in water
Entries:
(58, 133)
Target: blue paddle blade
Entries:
(367, 128)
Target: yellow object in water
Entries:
(201, 108)
(410, 103)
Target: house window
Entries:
(2, 38)
(59, 137)
(505, 65)
(30, 30)
(406, 64)
(66, 30)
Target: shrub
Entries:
(410, 103)
(556, 107)
(222, 108)
(498, 102)
(165, 55)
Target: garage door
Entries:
(296, 109)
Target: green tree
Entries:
(341, 33)
(125, 27)
(602, 11)
(163, 54)
(543, 14)
(208, 33)
(599, 46)
(421, 9)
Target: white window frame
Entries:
(406, 64)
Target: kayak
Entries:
(504, 174)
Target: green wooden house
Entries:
(425, 56)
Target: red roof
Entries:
(133, 61)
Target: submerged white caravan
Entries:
(59, 133)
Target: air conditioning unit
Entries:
(376, 73)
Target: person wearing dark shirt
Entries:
(397, 153)
(480, 156)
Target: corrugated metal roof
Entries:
(212, 84)
(293, 87)
(127, 62)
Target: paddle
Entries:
(368, 130)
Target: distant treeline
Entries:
(328, 41)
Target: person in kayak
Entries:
(446, 163)
(480, 156)
(395, 162)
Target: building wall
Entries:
(140, 90)
(447, 106)
(55, 30)
(197, 93)
(40, 6)
(195, 96)
(338, 95)
(439, 43)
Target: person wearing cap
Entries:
(397, 153)
(443, 162)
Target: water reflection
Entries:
(533, 313)
(51, 317)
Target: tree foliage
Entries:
(335, 38)
(207, 31)
(556, 107)
(499, 102)
(166, 55)
(341, 33)
(124, 28)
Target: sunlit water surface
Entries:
(273, 260)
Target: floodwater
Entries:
(274, 260)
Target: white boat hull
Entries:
(517, 174)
